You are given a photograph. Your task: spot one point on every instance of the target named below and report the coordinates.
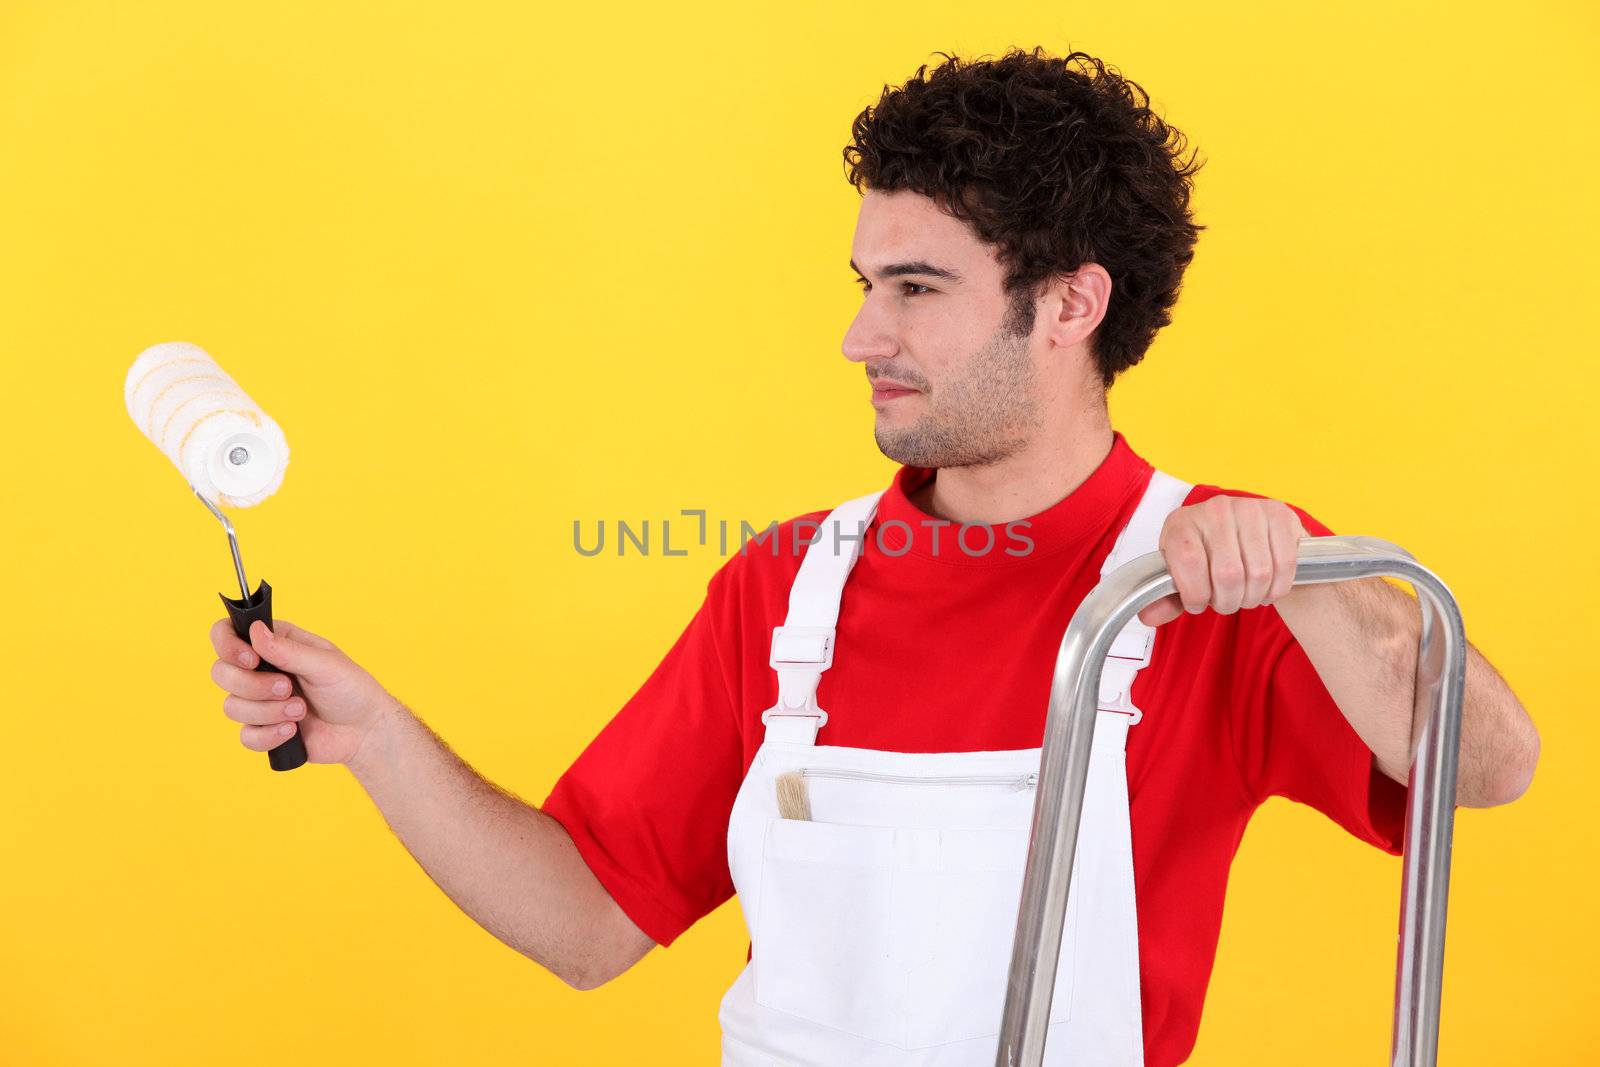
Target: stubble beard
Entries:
(982, 417)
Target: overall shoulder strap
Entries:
(802, 648)
(1130, 651)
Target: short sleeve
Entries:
(647, 802)
(1291, 739)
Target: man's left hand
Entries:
(1227, 553)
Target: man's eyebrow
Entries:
(916, 266)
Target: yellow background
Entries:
(497, 267)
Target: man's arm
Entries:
(507, 864)
(504, 862)
(1363, 636)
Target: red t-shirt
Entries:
(952, 651)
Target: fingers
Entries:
(257, 697)
(1185, 552)
(1161, 611)
(1228, 554)
(1255, 552)
(234, 649)
(285, 628)
(288, 653)
(1286, 532)
(263, 712)
(253, 685)
(1226, 567)
(265, 738)
(264, 702)
(230, 647)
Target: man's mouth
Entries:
(883, 389)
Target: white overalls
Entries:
(881, 926)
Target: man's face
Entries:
(955, 378)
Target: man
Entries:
(862, 776)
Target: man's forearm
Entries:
(507, 864)
(1362, 637)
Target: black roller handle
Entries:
(292, 753)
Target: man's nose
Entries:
(868, 336)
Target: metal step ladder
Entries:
(1064, 768)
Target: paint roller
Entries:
(228, 450)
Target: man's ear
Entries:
(1076, 303)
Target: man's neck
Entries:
(1021, 485)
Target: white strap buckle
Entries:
(1129, 652)
(803, 647)
(805, 711)
(799, 654)
(1134, 643)
(1134, 714)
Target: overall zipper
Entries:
(1015, 781)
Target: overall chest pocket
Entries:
(898, 934)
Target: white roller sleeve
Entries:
(199, 417)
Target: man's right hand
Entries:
(322, 692)
(507, 864)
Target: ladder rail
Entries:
(1064, 768)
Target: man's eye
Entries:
(866, 287)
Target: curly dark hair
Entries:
(1057, 162)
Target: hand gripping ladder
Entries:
(1064, 768)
